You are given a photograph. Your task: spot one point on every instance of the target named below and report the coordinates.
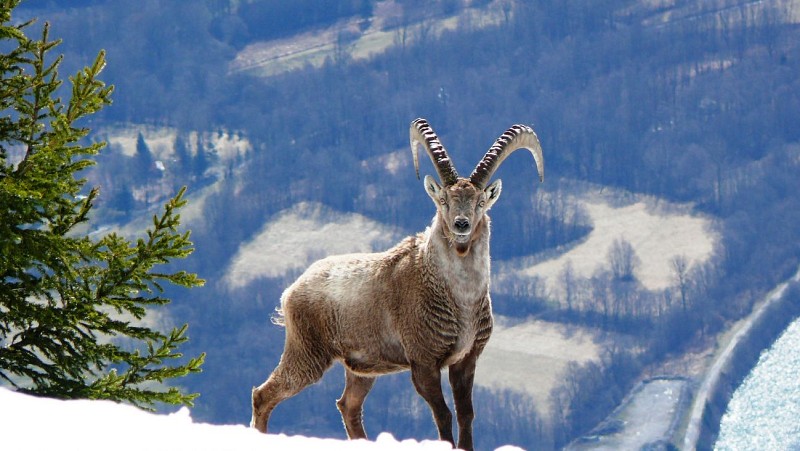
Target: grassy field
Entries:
(532, 358)
(657, 230)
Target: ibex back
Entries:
(422, 305)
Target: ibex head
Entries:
(462, 202)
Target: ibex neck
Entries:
(467, 277)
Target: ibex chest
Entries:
(465, 281)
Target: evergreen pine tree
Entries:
(143, 159)
(200, 159)
(71, 304)
(183, 158)
(123, 201)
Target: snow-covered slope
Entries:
(657, 231)
(302, 234)
(30, 423)
(225, 145)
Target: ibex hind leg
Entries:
(295, 372)
(351, 403)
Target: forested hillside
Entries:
(693, 102)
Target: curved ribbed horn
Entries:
(515, 138)
(422, 133)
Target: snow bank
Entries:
(30, 423)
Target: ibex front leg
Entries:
(462, 376)
(350, 404)
(428, 382)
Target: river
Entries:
(764, 412)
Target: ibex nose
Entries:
(461, 224)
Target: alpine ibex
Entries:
(422, 305)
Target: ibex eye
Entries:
(482, 203)
(442, 201)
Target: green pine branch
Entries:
(72, 307)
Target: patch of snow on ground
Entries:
(391, 162)
(656, 235)
(229, 145)
(32, 423)
(532, 358)
(161, 141)
(301, 235)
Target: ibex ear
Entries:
(432, 188)
(492, 193)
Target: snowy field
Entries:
(302, 235)
(31, 424)
(227, 148)
(658, 231)
(532, 358)
(161, 141)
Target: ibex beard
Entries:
(422, 305)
